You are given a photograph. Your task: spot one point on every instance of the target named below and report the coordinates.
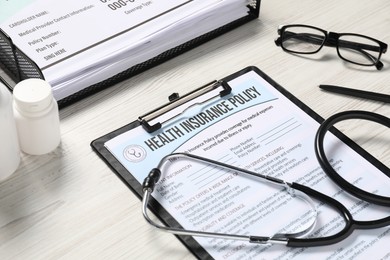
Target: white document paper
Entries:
(256, 128)
(51, 32)
(79, 43)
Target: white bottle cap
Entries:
(32, 95)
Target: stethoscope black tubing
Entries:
(327, 167)
(350, 223)
(327, 240)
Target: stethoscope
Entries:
(297, 239)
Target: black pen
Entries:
(357, 93)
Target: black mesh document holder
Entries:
(19, 66)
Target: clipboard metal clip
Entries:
(176, 101)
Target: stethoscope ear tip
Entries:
(151, 180)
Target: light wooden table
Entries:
(70, 205)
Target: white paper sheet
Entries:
(78, 44)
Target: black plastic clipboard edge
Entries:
(19, 66)
(126, 177)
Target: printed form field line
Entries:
(207, 175)
(279, 131)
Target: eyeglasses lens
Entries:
(303, 40)
(358, 49)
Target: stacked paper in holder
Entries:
(77, 44)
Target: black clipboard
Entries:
(128, 179)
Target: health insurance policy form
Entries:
(257, 128)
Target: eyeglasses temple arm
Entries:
(307, 37)
(361, 47)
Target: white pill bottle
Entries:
(36, 115)
(9, 145)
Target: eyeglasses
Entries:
(351, 47)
